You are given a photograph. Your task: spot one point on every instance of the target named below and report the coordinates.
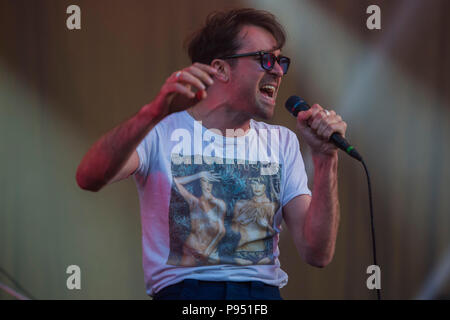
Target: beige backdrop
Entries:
(60, 90)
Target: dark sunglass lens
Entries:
(284, 63)
(268, 61)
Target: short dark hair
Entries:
(219, 36)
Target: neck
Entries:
(261, 198)
(220, 115)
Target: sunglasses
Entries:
(267, 59)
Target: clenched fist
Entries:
(316, 125)
(178, 92)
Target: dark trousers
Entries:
(190, 289)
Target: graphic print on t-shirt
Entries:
(222, 214)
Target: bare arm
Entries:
(189, 197)
(207, 175)
(313, 221)
(113, 157)
(179, 181)
(187, 179)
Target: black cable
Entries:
(16, 283)
(374, 249)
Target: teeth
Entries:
(269, 88)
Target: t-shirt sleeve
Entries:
(147, 151)
(296, 180)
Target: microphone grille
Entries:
(294, 104)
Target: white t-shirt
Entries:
(211, 206)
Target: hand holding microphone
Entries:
(320, 127)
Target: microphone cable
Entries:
(374, 249)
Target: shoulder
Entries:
(165, 128)
(221, 203)
(172, 120)
(240, 203)
(286, 138)
(283, 131)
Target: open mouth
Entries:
(268, 90)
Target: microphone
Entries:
(296, 104)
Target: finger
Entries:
(326, 122)
(206, 68)
(303, 117)
(201, 94)
(179, 88)
(186, 77)
(204, 73)
(316, 110)
(210, 174)
(339, 127)
(317, 120)
(323, 126)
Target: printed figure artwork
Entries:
(222, 214)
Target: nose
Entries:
(277, 70)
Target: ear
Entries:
(223, 69)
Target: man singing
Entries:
(194, 153)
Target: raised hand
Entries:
(179, 90)
(209, 176)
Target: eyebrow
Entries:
(274, 48)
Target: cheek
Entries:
(248, 85)
(248, 81)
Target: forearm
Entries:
(108, 155)
(187, 179)
(322, 219)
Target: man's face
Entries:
(248, 77)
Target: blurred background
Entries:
(61, 89)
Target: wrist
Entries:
(322, 160)
(151, 113)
